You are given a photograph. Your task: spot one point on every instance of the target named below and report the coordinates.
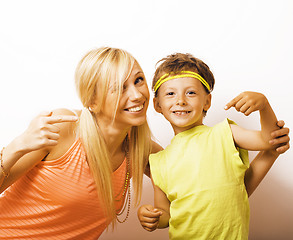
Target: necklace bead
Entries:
(124, 189)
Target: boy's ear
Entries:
(208, 102)
(157, 105)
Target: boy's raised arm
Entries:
(248, 102)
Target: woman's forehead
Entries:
(136, 68)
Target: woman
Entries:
(68, 179)
(65, 190)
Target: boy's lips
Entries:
(181, 112)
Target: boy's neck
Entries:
(178, 130)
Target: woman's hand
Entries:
(42, 132)
(281, 138)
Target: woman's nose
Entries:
(134, 93)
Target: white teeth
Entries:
(181, 113)
(135, 109)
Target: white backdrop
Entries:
(247, 44)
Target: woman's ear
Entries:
(208, 102)
(157, 105)
(94, 108)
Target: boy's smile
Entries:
(182, 101)
(181, 112)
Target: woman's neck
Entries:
(114, 136)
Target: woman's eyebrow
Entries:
(139, 72)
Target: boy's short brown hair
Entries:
(178, 62)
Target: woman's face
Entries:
(133, 104)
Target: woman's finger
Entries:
(61, 118)
(280, 132)
(281, 140)
(283, 148)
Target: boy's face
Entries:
(182, 102)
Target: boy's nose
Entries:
(181, 101)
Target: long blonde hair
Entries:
(93, 75)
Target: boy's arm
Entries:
(162, 203)
(151, 217)
(262, 163)
(248, 102)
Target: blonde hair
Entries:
(94, 73)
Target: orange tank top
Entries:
(57, 200)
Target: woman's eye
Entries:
(138, 80)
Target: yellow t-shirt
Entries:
(202, 174)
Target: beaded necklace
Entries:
(125, 188)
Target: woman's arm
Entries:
(26, 150)
(262, 163)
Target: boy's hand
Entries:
(281, 138)
(149, 217)
(248, 102)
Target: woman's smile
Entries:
(135, 108)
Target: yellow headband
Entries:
(181, 74)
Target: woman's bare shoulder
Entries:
(67, 133)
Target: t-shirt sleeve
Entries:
(243, 153)
(157, 170)
(240, 161)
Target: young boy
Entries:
(199, 179)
